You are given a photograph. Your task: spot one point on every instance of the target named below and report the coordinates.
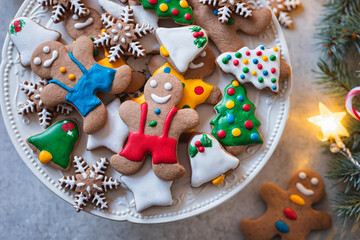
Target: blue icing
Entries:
(265, 73)
(255, 137)
(282, 227)
(157, 111)
(242, 76)
(167, 70)
(228, 57)
(215, 12)
(274, 87)
(262, 47)
(230, 118)
(240, 98)
(255, 61)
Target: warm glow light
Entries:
(330, 123)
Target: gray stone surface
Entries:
(29, 210)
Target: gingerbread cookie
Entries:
(74, 79)
(225, 36)
(122, 35)
(281, 8)
(155, 127)
(90, 183)
(180, 46)
(289, 213)
(235, 125)
(209, 161)
(62, 7)
(27, 35)
(261, 66)
(56, 144)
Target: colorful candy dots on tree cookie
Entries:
(56, 144)
(235, 123)
(260, 66)
(178, 10)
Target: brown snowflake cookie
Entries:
(155, 127)
(289, 214)
(122, 35)
(75, 79)
(281, 9)
(90, 183)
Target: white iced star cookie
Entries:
(148, 189)
(209, 161)
(114, 132)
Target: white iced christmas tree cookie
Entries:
(114, 132)
(27, 35)
(209, 161)
(180, 46)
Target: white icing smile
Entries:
(195, 66)
(304, 190)
(49, 62)
(88, 22)
(160, 100)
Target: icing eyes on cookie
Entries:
(168, 86)
(46, 49)
(37, 61)
(153, 83)
(302, 175)
(314, 181)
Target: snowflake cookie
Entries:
(281, 9)
(62, 7)
(224, 8)
(122, 35)
(34, 105)
(89, 182)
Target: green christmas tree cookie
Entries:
(178, 10)
(235, 123)
(56, 144)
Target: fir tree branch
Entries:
(348, 206)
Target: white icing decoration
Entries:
(114, 31)
(302, 175)
(46, 49)
(85, 24)
(314, 181)
(210, 164)
(304, 190)
(203, 54)
(153, 83)
(179, 42)
(196, 66)
(37, 61)
(160, 100)
(30, 37)
(120, 26)
(237, 71)
(116, 38)
(49, 62)
(75, 17)
(167, 86)
(148, 189)
(114, 132)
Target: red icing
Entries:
(197, 144)
(259, 66)
(201, 149)
(201, 34)
(195, 34)
(247, 53)
(259, 53)
(16, 23)
(188, 16)
(67, 126)
(249, 124)
(221, 134)
(236, 62)
(175, 12)
(17, 29)
(199, 90)
(290, 214)
(162, 148)
(246, 107)
(231, 91)
(152, 1)
(273, 70)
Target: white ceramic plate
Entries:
(271, 110)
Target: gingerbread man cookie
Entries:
(155, 127)
(76, 78)
(289, 213)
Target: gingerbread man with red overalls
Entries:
(155, 127)
(289, 213)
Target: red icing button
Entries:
(249, 124)
(246, 108)
(247, 53)
(201, 34)
(152, 1)
(175, 12)
(197, 144)
(188, 16)
(236, 62)
(201, 149)
(231, 91)
(259, 53)
(221, 134)
(290, 214)
(195, 34)
(273, 70)
(259, 66)
(199, 90)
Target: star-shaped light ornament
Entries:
(330, 123)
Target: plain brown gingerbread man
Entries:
(289, 213)
(155, 127)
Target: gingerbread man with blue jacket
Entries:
(75, 78)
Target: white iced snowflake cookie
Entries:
(182, 45)
(148, 189)
(27, 35)
(114, 132)
(260, 66)
(209, 161)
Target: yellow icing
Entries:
(71, 76)
(297, 199)
(236, 132)
(184, 4)
(219, 180)
(63, 69)
(235, 83)
(45, 157)
(164, 51)
(163, 7)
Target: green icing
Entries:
(14, 30)
(193, 151)
(153, 124)
(171, 11)
(220, 122)
(58, 142)
(206, 141)
(199, 41)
